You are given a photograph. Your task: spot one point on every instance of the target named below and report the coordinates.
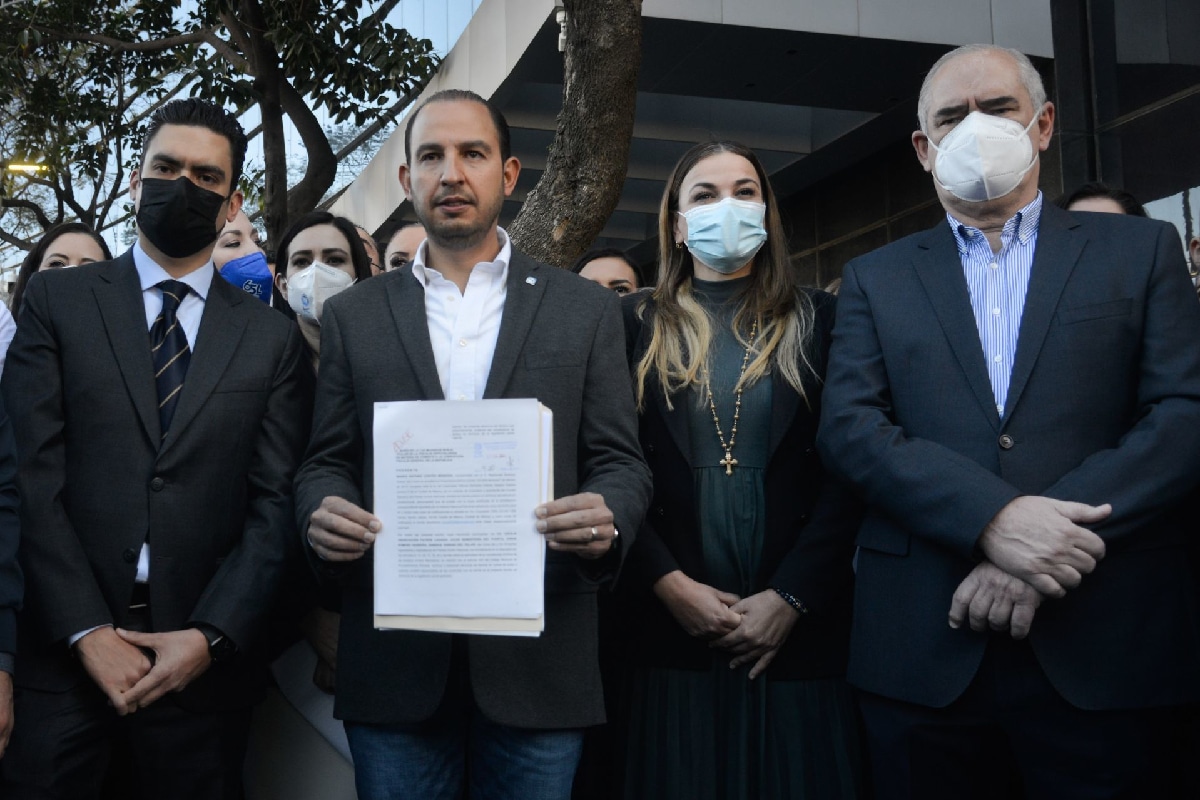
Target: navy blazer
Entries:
(810, 520)
(1103, 407)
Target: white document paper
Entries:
(456, 484)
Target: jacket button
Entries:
(649, 448)
(1007, 441)
(130, 555)
(660, 511)
(157, 484)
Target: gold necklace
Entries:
(728, 462)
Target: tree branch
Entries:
(226, 49)
(29, 205)
(322, 165)
(379, 15)
(15, 241)
(117, 45)
(386, 116)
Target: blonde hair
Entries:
(681, 331)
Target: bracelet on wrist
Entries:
(791, 600)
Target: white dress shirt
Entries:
(190, 310)
(8, 329)
(464, 326)
(997, 284)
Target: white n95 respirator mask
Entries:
(308, 289)
(984, 157)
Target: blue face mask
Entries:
(726, 235)
(251, 274)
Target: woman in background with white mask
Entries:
(319, 256)
(738, 586)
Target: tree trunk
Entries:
(268, 79)
(321, 170)
(588, 160)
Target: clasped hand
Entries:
(991, 598)
(751, 628)
(116, 661)
(1040, 540)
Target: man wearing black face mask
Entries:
(160, 415)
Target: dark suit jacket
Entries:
(810, 522)
(214, 498)
(11, 581)
(560, 341)
(1104, 407)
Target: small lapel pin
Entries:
(532, 281)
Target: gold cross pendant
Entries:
(727, 462)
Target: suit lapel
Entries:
(785, 402)
(406, 298)
(119, 295)
(217, 339)
(1058, 250)
(939, 268)
(675, 419)
(526, 285)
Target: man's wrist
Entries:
(220, 646)
(73, 639)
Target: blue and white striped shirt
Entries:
(997, 283)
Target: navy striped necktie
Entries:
(169, 348)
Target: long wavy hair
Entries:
(681, 331)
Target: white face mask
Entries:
(308, 289)
(984, 157)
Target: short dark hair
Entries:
(33, 259)
(201, 114)
(1128, 203)
(449, 95)
(607, 252)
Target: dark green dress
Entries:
(715, 733)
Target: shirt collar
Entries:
(150, 274)
(499, 264)
(1024, 223)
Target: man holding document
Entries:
(473, 319)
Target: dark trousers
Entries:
(72, 746)
(1011, 735)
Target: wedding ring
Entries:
(595, 533)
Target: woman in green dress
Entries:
(738, 587)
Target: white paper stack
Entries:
(456, 485)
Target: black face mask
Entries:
(177, 216)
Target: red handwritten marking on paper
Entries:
(399, 444)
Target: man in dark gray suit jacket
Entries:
(1016, 393)
(11, 582)
(160, 415)
(473, 318)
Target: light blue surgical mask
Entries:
(726, 235)
(251, 274)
